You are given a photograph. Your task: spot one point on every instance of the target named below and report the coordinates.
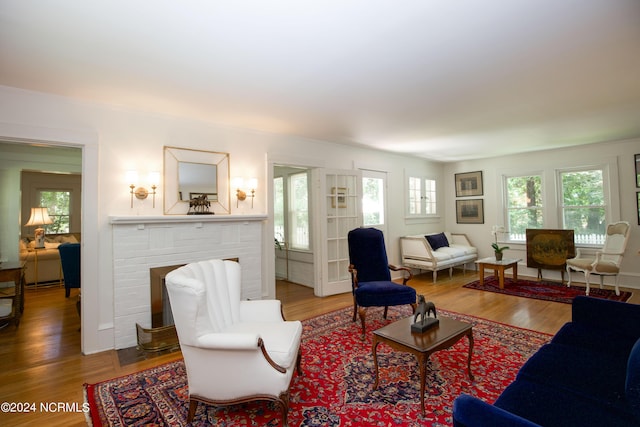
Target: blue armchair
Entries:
(371, 275)
(70, 259)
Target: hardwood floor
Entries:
(41, 361)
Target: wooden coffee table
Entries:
(398, 336)
(499, 267)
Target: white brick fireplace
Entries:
(141, 243)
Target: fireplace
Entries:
(144, 243)
(162, 334)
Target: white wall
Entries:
(116, 140)
(618, 155)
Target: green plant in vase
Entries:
(496, 248)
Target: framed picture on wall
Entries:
(340, 197)
(637, 158)
(470, 211)
(638, 206)
(469, 184)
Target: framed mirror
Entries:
(190, 174)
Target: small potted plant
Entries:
(497, 249)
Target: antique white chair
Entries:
(234, 351)
(606, 261)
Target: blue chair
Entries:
(70, 259)
(371, 275)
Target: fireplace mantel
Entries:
(168, 219)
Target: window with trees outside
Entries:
(372, 201)
(58, 204)
(524, 205)
(278, 210)
(291, 196)
(583, 204)
(422, 196)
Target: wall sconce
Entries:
(242, 188)
(142, 193)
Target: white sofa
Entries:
(49, 268)
(418, 253)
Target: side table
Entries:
(12, 290)
(499, 267)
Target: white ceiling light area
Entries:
(445, 80)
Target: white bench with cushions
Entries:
(437, 251)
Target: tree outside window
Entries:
(583, 204)
(373, 201)
(524, 205)
(299, 211)
(58, 204)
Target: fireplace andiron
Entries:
(423, 310)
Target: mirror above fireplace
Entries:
(189, 174)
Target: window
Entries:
(278, 209)
(298, 211)
(373, 201)
(583, 204)
(422, 196)
(59, 208)
(524, 205)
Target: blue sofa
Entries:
(587, 375)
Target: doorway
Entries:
(31, 173)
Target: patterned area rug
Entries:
(336, 386)
(545, 290)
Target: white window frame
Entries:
(607, 196)
(425, 198)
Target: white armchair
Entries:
(234, 351)
(606, 261)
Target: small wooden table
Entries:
(498, 267)
(398, 336)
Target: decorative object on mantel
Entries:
(423, 310)
(39, 216)
(190, 174)
(199, 206)
(495, 230)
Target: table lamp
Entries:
(39, 216)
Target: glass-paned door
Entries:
(339, 211)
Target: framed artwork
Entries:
(638, 206)
(470, 211)
(549, 249)
(340, 197)
(469, 184)
(637, 158)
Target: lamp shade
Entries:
(39, 216)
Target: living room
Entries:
(116, 137)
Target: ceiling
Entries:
(444, 80)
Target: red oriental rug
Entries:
(545, 290)
(336, 386)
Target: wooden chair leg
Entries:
(363, 315)
(284, 404)
(193, 405)
(386, 310)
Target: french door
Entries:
(338, 209)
